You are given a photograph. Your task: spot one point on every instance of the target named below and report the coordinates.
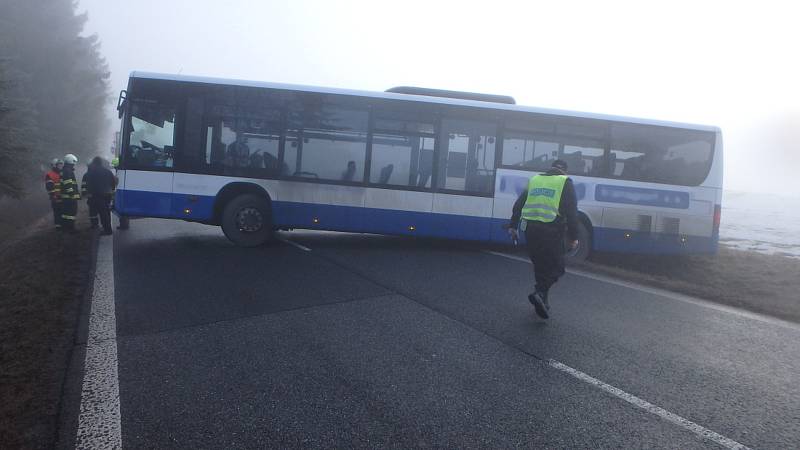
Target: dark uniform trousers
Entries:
(56, 205)
(100, 205)
(69, 209)
(69, 200)
(93, 220)
(545, 242)
(52, 183)
(93, 211)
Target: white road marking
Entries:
(701, 431)
(667, 294)
(99, 422)
(295, 244)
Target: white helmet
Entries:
(56, 162)
(69, 158)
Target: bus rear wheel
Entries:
(247, 220)
(581, 253)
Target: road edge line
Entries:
(667, 294)
(99, 420)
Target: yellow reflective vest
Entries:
(544, 197)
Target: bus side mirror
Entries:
(123, 96)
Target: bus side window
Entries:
(334, 142)
(467, 159)
(402, 153)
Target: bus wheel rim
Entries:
(249, 220)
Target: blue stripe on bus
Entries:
(515, 184)
(642, 196)
(383, 221)
(387, 221)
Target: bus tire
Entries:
(247, 220)
(581, 253)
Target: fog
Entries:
(716, 63)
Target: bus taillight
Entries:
(717, 218)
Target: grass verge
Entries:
(766, 284)
(43, 279)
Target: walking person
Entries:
(52, 183)
(547, 209)
(70, 194)
(100, 184)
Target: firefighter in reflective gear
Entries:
(94, 219)
(547, 208)
(100, 185)
(52, 183)
(70, 194)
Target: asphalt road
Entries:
(372, 341)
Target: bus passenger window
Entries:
(467, 159)
(244, 147)
(661, 154)
(402, 153)
(334, 144)
(584, 160)
(524, 151)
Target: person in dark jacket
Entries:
(94, 219)
(100, 184)
(544, 211)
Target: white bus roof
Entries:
(420, 98)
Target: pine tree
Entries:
(19, 144)
(55, 88)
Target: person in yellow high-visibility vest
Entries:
(544, 212)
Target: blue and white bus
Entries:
(256, 157)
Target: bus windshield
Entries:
(151, 136)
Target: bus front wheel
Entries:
(247, 220)
(581, 253)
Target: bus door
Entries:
(147, 160)
(465, 174)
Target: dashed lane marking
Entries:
(295, 244)
(699, 430)
(630, 398)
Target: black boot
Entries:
(538, 304)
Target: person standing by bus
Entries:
(100, 184)
(93, 217)
(547, 208)
(52, 183)
(70, 192)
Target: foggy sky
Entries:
(714, 63)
